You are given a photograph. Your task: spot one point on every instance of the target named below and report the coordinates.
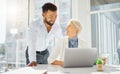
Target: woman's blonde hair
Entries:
(77, 24)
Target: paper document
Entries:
(58, 72)
(26, 70)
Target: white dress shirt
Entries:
(39, 39)
(59, 50)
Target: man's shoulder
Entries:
(56, 25)
(82, 41)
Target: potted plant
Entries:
(99, 64)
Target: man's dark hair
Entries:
(49, 6)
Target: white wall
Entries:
(81, 11)
(2, 21)
(32, 11)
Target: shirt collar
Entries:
(73, 39)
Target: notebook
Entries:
(80, 57)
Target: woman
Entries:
(72, 40)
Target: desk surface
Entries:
(84, 70)
(54, 69)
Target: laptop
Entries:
(80, 57)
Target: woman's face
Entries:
(71, 31)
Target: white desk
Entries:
(84, 70)
(54, 69)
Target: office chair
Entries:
(27, 56)
(118, 51)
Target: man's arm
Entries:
(33, 63)
(31, 44)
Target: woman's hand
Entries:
(56, 62)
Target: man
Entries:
(42, 35)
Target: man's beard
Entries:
(48, 22)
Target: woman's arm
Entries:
(56, 62)
(55, 52)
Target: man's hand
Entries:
(33, 63)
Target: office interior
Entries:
(100, 20)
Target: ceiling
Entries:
(106, 5)
(102, 2)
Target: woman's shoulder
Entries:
(81, 40)
(63, 38)
(82, 43)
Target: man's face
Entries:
(50, 17)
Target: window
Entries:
(16, 29)
(105, 29)
(64, 13)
